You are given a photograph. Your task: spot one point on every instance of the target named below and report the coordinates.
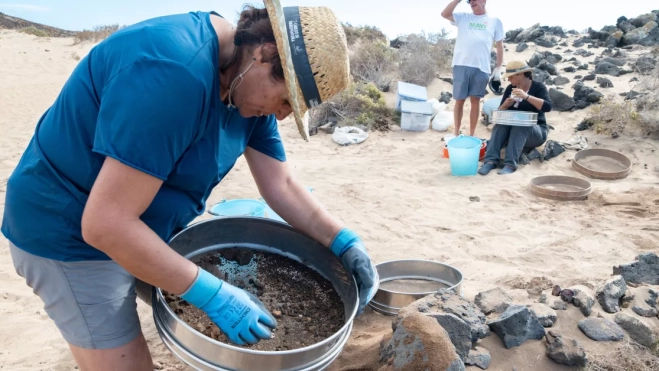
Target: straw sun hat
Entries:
(515, 68)
(314, 55)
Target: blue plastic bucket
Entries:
(238, 207)
(463, 155)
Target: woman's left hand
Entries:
(519, 93)
(350, 248)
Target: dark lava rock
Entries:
(560, 80)
(606, 68)
(447, 79)
(544, 65)
(590, 77)
(582, 52)
(570, 69)
(512, 34)
(557, 31)
(479, 357)
(638, 330)
(645, 65)
(616, 61)
(561, 102)
(547, 42)
(458, 330)
(447, 301)
(601, 329)
(610, 293)
(584, 298)
(517, 325)
(521, 47)
(565, 350)
(420, 343)
(603, 82)
(530, 34)
(541, 76)
(445, 97)
(645, 270)
(494, 300)
(645, 302)
(583, 93)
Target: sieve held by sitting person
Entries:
(523, 94)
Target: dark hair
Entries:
(529, 75)
(254, 29)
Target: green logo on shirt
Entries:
(477, 26)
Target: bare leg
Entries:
(457, 116)
(134, 356)
(475, 112)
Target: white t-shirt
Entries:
(476, 33)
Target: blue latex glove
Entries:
(239, 314)
(350, 248)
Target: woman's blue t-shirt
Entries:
(148, 96)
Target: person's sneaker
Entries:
(486, 168)
(506, 170)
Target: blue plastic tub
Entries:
(463, 155)
(238, 207)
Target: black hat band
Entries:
(303, 71)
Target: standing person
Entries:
(472, 57)
(150, 121)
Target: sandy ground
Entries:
(396, 191)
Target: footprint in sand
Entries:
(639, 213)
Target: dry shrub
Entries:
(373, 62)
(368, 33)
(361, 103)
(422, 57)
(615, 118)
(98, 33)
(626, 356)
(34, 31)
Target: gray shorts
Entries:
(469, 82)
(91, 302)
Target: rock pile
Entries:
(442, 331)
(642, 30)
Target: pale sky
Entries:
(392, 17)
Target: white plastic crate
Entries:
(411, 92)
(415, 116)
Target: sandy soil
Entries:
(396, 191)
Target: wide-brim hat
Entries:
(314, 55)
(515, 68)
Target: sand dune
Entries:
(395, 190)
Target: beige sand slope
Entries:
(395, 189)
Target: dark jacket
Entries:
(538, 90)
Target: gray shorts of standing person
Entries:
(477, 30)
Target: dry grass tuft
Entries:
(97, 33)
(615, 118)
(361, 103)
(368, 33)
(626, 356)
(34, 31)
(422, 57)
(373, 61)
(635, 118)
(648, 104)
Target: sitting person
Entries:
(523, 94)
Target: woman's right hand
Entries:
(239, 314)
(508, 102)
